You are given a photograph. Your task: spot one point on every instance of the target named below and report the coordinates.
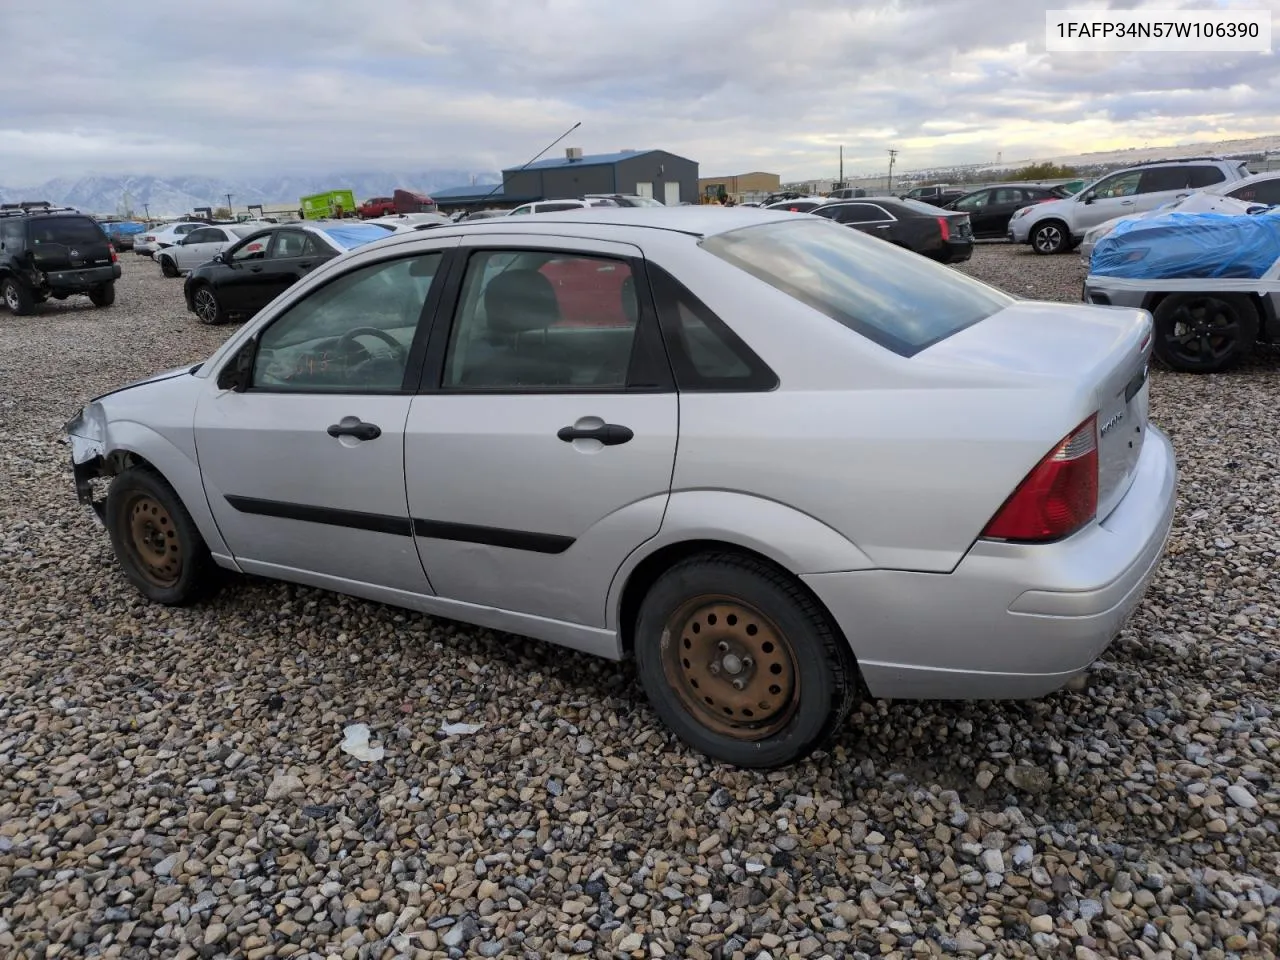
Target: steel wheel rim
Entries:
(206, 305)
(731, 667)
(153, 541)
(11, 296)
(1203, 331)
(1048, 237)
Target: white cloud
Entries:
(251, 86)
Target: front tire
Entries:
(206, 305)
(741, 663)
(103, 296)
(1204, 332)
(168, 267)
(156, 541)
(20, 301)
(1050, 237)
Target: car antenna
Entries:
(508, 175)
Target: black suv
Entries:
(48, 251)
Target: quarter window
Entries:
(543, 320)
(350, 336)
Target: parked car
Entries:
(1206, 277)
(200, 246)
(48, 251)
(410, 220)
(625, 199)
(376, 207)
(160, 237)
(791, 474)
(480, 215)
(1260, 188)
(941, 235)
(1061, 225)
(847, 193)
(796, 204)
(990, 208)
(123, 233)
(249, 274)
(937, 196)
(558, 206)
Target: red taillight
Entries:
(112, 248)
(945, 224)
(1058, 497)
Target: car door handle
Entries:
(884, 226)
(610, 434)
(359, 429)
(1126, 203)
(305, 266)
(255, 269)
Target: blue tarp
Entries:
(351, 235)
(126, 228)
(1190, 246)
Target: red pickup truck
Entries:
(376, 207)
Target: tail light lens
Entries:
(1058, 497)
(945, 225)
(112, 248)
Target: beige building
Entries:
(742, 186)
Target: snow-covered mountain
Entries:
(171, 196)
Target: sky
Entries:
(252, 87)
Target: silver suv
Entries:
(1061, 224)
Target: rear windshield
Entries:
(66, 230)
(898, 299)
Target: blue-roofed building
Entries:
(663, 176)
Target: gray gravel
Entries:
(171, 782)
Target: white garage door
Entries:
(644, 190)
(671, 194)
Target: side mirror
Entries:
(1086, 198)
(237, 374)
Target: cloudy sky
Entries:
(258, 86)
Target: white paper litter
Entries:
(451, 729)
(356, 743)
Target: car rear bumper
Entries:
(1012, 621)
(956, 251)
(81, 280)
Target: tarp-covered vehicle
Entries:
(1211, 281)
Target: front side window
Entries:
(900, 300)
(1121, 185)
(350, 336)
(542, 320)
(521, 211)
(255, 249)
(974, 201)
(11, 234)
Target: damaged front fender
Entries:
(87, 435)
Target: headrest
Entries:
(518, 301)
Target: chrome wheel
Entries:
(731, 667)
(206, 305)
(153, 541)
(1048, 239)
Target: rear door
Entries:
(539, 453)
(995, 217)
(197, 247)
(1161, 185)
(68, 243)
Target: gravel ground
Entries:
(171, 783)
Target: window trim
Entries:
(417, 347)
(667, 290)
(649, 368)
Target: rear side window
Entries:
(1204, 177)
(897, 299)
(66, 230)
(1264, 191)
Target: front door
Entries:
(671, 194)
(539, 454)
(1116, 196)
(304, 471)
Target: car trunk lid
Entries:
(1104, 349)
(68, 243)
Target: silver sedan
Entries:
(780, 464)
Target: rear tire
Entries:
(1204, 332)
(156, 541)
(20, 301)
(1050, 237)
(103, 296)
(168, 267)
(741, 663)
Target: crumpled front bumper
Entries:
(87, 452)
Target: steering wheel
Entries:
(347, 345)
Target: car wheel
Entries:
(103, 296)
(17, 297)
(156, 541)
(741, 663)
(207, 307)
(168, 267)
(1204, 332)
(1050, 237)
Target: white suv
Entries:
(552, 206)
(1061, 224)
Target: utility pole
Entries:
(841, 180)
(229, 216)
(892, 155)
(146, 208)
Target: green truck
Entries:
(333, 203)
